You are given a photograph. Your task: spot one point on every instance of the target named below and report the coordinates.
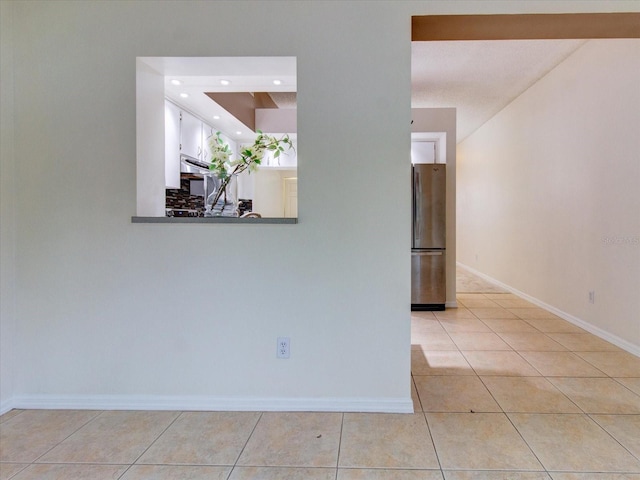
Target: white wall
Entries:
(444, 120)
(113, 312)
(546, 183)
(120, 315)
(268, 197)
(7, 212)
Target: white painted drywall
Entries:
(7, 210)
(546, 184)
(106, 308)
(150, 141)
(443, 120)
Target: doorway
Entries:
(460, 29)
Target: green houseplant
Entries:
(224, 170)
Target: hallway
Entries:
(501, 389)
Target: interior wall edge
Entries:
(8, 204)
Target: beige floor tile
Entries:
(282, 473)
(67, 472)
(495, 475)
(8, 470)
(561, 364)
(508, 325)
(492, 313)
(614, 364)
(531, 342)
(479, 341)
(469, 296)
(433, 341)
(203, 438)
(532, 313)
(554, 325)
(423, 315)
(481, 302)
(421, 325)
(118, 437)
(454, 394)
(454, 313)
(503, 363)
(632, 384)
(624, 428)
(481, 441)
(594, 476)
(10, 414)
(501, 296)
(371, 440)
(599, 395)
(27, 436)
(174, 472)
(379, 474)
(462, 325)
(514, 303)
(439, 363)
(294, 439)
(593, 450)
(583, 342)
(417, 406)
(529, 395)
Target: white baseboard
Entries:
(451, 304)
(599, 332)
(6, 406)
(205, 403)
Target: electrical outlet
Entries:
(592, 296)
(284, 347)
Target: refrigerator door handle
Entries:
(427, 254)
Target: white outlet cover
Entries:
(284, 347)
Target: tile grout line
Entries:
(415, 387)
(99, 413)
(339, 446)
(590, 415)
(433, 442)
(235, 463)
(151, 444)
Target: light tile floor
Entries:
(502, 390)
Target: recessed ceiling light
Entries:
(225, 82)
(277, 82)
(216, 117)
(176, 82)
(238, 133)
(184, 95)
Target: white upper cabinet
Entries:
(191, 136)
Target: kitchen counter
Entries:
(209, 220)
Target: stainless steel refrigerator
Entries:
(428, 247)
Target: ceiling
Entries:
(479, 78)
(197, 75)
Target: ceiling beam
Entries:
(525, 27)
(243, 105)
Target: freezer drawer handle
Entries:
(423, 254)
